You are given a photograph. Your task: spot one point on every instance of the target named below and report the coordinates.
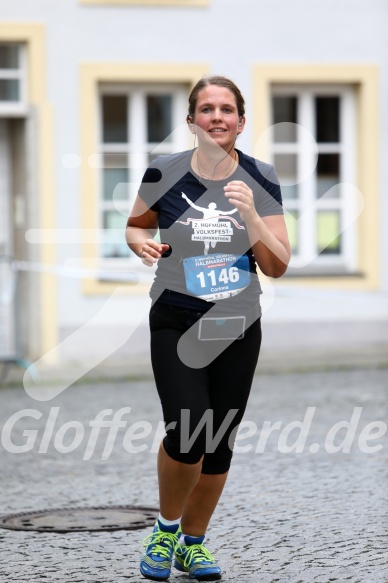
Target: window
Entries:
(313, 151)
(137, 123)
(13, 97)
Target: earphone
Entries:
(189, 120)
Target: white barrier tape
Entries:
(134, 277)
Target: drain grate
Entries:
(98, 518)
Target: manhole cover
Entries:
(104, 518)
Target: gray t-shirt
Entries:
(210, 254)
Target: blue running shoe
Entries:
(160, 546)
(194, 558)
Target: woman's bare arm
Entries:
(268, 235)
(142, 226)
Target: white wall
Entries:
(230, 36)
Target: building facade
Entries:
(92, 90)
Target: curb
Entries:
(282, 362)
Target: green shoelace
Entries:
(197, 552)
(162, 541)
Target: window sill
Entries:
(332, 273)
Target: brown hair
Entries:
(220, 82)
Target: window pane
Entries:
(328, 232)
(9, 57)
(284, 113)
(115, 173)
(9, 90)
(159, 117)
(328, 174)
(327, 111)
(291, 218)
(286, 170)
(114, 242)
(114, 118)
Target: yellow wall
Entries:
(365, 79)
(33, 35)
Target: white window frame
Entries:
(16, 108)
(306, 261)
(138, 149)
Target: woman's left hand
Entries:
(241, 196)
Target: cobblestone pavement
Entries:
(317, 515)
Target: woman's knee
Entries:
(185, 446)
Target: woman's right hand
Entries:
(151, 251)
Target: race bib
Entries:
(217, 276)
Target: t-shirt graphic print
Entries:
(215, 225)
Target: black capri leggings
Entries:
(217, 393)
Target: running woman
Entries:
(219, 216)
